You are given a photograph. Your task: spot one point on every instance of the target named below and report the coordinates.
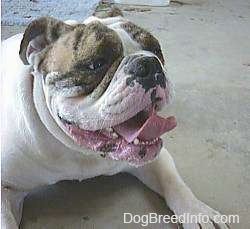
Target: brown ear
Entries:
(40, 33)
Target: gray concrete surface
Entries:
(8, 31)
(208, 58)
(16, 12)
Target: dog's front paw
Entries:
(201, 216)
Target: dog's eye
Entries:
(157, 51)
(96, 64)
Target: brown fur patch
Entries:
(75, 53)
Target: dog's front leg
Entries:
(11, 207)
(162, 176)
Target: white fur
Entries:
(35, 152)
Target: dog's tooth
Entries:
(143, 143)
(109, 129)
(114, 135)
(136, 141)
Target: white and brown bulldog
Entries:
(81, 100)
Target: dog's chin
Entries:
(136, 140)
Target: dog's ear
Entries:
(39, 34)
(113, 11)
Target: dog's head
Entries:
(103, 83)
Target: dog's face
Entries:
(103, 82)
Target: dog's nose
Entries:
(144, 67)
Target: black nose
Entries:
(144, 67)
(145, 70)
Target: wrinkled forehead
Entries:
(133, 37)
(98, 39)
(95, 40)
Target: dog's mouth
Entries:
(136, 140)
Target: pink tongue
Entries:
(152, 128)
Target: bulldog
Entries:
(81, 100)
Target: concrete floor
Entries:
(208, 58)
